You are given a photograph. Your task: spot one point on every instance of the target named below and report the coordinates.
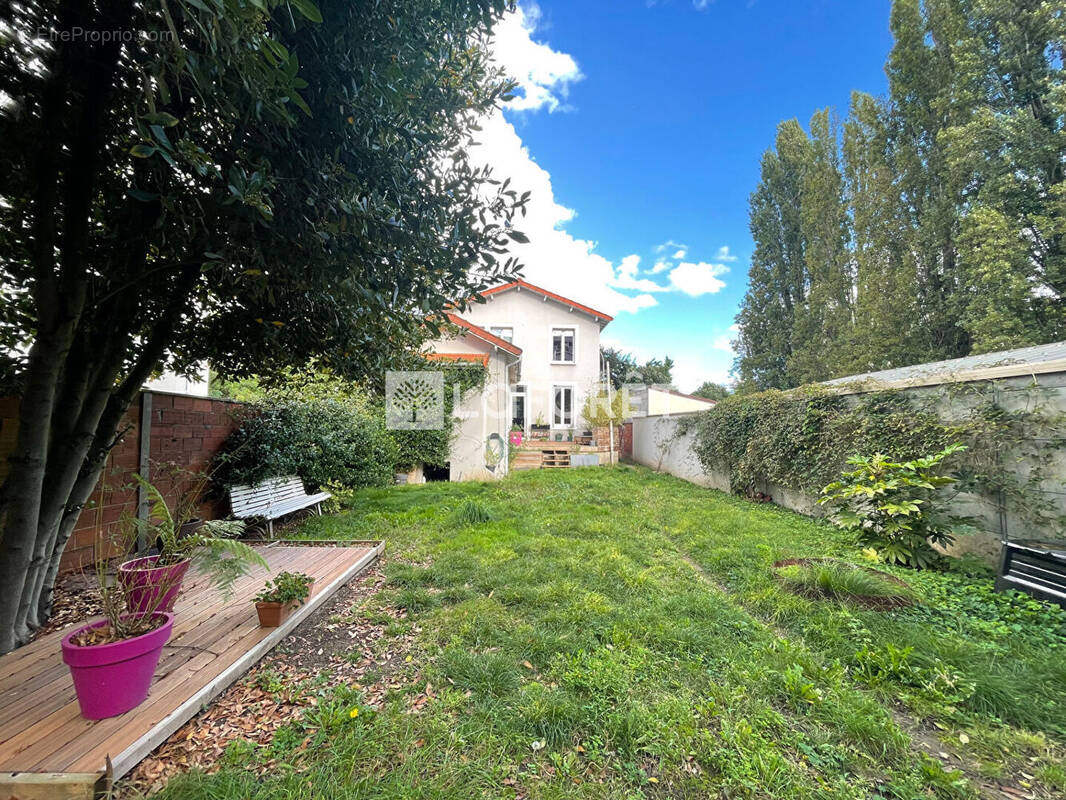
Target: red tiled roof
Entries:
(564, 300)
(483, 334)
(482, 358)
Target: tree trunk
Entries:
(24, 483)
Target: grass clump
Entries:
(842, 581)
(472, 512)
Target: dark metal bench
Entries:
(1034, 569)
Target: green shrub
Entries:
(340, 443)
(895, 507)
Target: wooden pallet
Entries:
(555, 458)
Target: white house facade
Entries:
(548, 350)
(560, 343)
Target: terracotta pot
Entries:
(110, 679)
(271, 615)
(151, 588)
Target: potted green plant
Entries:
(112, 660)
(539, 428)
(287, 591)
(154, 581)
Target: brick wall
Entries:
(183, 436)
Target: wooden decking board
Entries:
(191, 626)
(183, 660)
(214, 642)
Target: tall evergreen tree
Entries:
(1011, 157)
(938, 227)
(926, 100)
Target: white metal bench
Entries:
(273, 498)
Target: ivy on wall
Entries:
(801, 439)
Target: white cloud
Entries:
(553, 257)
(723, 254)
(723, 343)
(544, 75)
(695, 279)
(669, 244)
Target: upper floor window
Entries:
(563, 345)
(507, 334)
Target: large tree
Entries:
(777, 279)
(941, 228)
(253, 183)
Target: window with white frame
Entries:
(504, 332)
(563, 406)
(563, 345)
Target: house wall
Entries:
(663, 402)
(184, 432)
(479, 413)
(533, 318)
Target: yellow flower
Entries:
(353, 713)
(870, 555)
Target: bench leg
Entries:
(270, 528)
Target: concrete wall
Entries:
(533, 318)
(656, 444)
(183, 434)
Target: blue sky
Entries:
(639, 130)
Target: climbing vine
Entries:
(801, 439)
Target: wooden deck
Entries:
(45, 741)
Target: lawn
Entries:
(615, 633)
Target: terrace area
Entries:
(47, 749)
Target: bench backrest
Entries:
(252, 501)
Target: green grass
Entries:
(580, 645)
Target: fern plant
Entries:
(214, 548)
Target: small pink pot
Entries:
(150, 588)
(110, 679)
(516, 438)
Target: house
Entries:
(543, 355)
(654, 400)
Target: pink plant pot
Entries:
(110, 679)
(149, 588)
(516, 438)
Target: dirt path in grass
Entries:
(923, 738)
